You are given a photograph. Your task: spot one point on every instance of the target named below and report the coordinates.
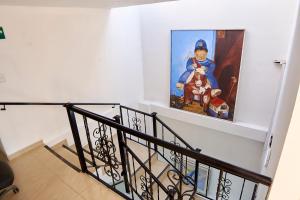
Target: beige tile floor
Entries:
(42, 176)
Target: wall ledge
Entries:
(242, 129)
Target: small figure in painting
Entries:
(200, 60)
(206, 69)
(198, 89)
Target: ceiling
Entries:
(80, 3)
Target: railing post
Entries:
(197, 172)
(122, 154)
(154, 128)
(254, 192)
(121, 115)
(219, 184)
(171, 194)
(76, 137)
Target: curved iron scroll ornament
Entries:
(145, 186)
(136, 123)
(106, 152)
(176, 157)
(175, 177)
(225, 188)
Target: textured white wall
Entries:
(65, 54)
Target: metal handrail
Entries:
(135, 110)
(154, 115)
(204, 159)
(9, 103)
(55, 103)
(174, 133)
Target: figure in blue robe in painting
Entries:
(200, 60)
(206, 63)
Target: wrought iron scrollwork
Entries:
(106, 152)
(175, 178)
(136, 123)
(176, 157)
(145, 186)
(225, 188)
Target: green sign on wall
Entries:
(2, 36)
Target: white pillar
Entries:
(286, 100)
(286, 182)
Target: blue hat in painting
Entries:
(201, 45)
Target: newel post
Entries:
(154, 127)
(76, 137)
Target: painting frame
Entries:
(239, 67)
(203, 176)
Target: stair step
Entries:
(62, 159)
(69, 156)
(140, 150)
(88, 157)
(75, 153)
(159, 168)
(58, 145)
(164, 179)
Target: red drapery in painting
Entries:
(228, 54)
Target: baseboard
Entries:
(52, 142)
(26, 149)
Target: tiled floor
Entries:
(42, 176)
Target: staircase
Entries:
(139, 157)
(159, 168)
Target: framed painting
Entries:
(203, 174)
(205, 68)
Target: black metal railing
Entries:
(137, 120)
(139, 156)
(165, 129)
(152, 125)
(132, 161)
(177, 161)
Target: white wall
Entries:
(79, 3)
(64, 54)
(219, 145)
(269, 27)
(289, 164)
(266, 38)
(286, 100)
